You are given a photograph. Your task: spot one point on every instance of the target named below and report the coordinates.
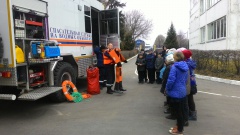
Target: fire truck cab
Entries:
(44, 42)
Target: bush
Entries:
(129, 54)
(225, 63)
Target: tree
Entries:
(128, 43)
(171, 40)
(159, 41)
(111, 4)
(182, 40)
(138, 25)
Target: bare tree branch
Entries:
(138, 25)
(182, 40)
(159, 41)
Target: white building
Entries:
(214, 25)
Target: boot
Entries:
(109, 90)
(121, 87)
(116, 87)
(192, 115)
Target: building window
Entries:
(202, 6)
(210, 3)
(87, 12)
(202, 30)
(217, 29)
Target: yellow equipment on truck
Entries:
(44, 42)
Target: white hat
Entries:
(170, 58)
(171, 51)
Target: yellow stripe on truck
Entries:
(10, 33)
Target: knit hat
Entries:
(170, 58)
(171, 51)
(181, 49)
(187, 53)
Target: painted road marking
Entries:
(218, 94)
(136, 72)
(210, 93)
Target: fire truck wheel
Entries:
(63, 71)
(1, 48)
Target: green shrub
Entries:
(222, 63)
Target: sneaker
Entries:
(174, 128)
(175, 132)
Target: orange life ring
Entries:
(65, 90)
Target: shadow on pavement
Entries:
(18, 107)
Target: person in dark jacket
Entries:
(192, 66)
(141, 68)
(145, 71)
(102, 73)
(159, 62)
(176, 89)
(169, 62)
(164, 51)
(109, 64)
(150, 63)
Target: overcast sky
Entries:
(162, 13)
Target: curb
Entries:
(215, 79)
(132, 57)
(129, 59)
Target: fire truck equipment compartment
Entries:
(19, 54)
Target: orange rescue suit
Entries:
(118, 83)
(112, 59)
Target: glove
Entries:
(119, 64)
(125, 61)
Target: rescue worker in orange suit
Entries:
(118, 83)
(102, 73)
(109, 65)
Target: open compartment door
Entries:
(109, 27)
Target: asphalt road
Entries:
(139, 111)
